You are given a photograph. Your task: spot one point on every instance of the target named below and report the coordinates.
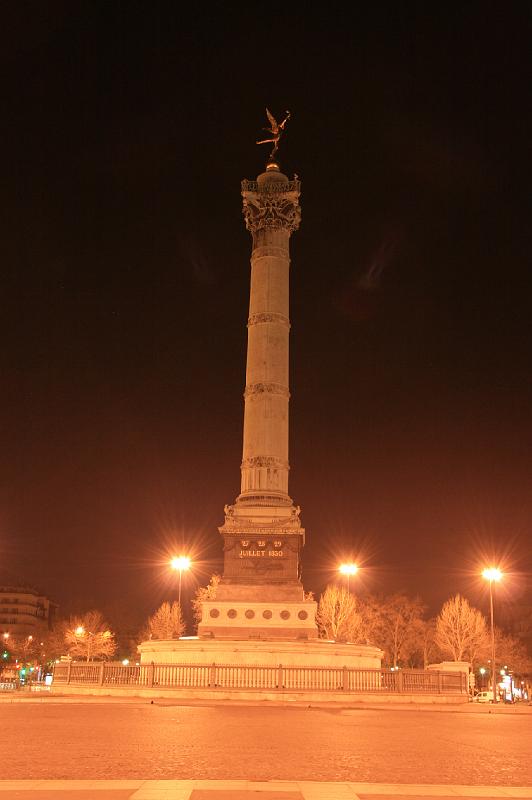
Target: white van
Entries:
(484, 697)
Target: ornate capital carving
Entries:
(271, 208)
(268, 388)
(257, 319)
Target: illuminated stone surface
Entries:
(262, 531)
(270, 651)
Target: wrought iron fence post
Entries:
(69, 669)
(101, 675)
(440, 682)
(345, 679)
(280, 676)
(151, 674)
(399, 681)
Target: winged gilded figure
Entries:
(276, 129)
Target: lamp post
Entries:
(182, 564)
(348, 570)
(482, 671)
(5, 637)
(492, 574)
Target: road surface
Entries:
(139, 740)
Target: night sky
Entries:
(127, 128)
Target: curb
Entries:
(458, 708)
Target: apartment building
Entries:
(24, 610)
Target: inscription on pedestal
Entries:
(260, 549)
(271, 557)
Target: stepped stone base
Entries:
(317, 653)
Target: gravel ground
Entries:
(161, 740)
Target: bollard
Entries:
(345, 679)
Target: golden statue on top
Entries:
(276, 129)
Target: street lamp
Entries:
(80, 632)
(182, 564)
(348, 570)
(492, 574)
(482, 671)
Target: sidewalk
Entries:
(459, 708)
(245, 790)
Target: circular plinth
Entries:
(321, 653)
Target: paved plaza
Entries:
(246, 790)
(153, 751)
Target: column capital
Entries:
(271, 205)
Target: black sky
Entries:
(125, 277)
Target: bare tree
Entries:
(420, 648)
(89, 636)
(461, 631)
(26, 649)
(54, 641)
(394, 625)
(337, 615)
(166, 623)
(512, 652)
(429, 648)
(202, 594)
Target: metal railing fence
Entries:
(256, 677)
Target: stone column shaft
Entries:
(272, 212)
(265, 447)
